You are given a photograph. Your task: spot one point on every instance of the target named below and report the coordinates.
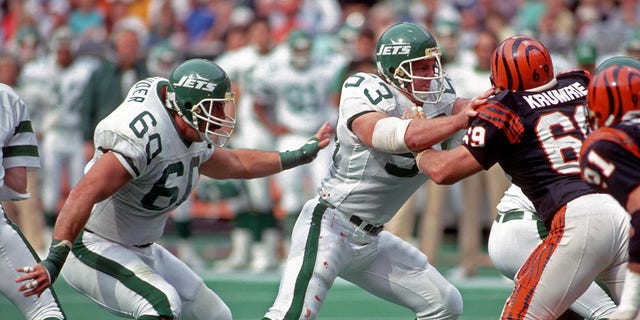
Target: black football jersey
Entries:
(610, 159)
(536, 138)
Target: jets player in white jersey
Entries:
(18, 153)
(339, 232)
(149, 153)
(293, 97)
(59, 78)
(255, 238)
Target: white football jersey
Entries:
(239, 65)
(58, 90)
(470, 82)
(164, 167)
(370, 183)
(300, 97)
(18, 145)
(514, 199)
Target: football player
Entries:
(148, 156)
(533, 127)
(161, 61)
(59, 79)
(255, 238)
(610, 157)
(339, 232)
(19, 152)
(294, 93)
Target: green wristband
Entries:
(57, 255)
(305, 154)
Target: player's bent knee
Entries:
(454, 303)
(450, 309)
(205, 305)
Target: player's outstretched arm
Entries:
(249, 163)
(104, 178)
(447, 167)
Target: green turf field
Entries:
(250, 295)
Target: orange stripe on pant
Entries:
(530, 273)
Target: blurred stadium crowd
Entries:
(110, 44)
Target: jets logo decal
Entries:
(394, 49)
(196, 82)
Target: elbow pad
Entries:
(388, 135)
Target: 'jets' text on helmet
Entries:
(200, 92)
(398, 48)
(613, 93)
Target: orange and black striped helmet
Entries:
(613, 92)
(521, 63)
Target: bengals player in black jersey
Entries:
(534, 126)
(610, 157)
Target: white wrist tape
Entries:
(388, 135)
(8, 194)
(630, 299)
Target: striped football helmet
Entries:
(521, 63)
(613, 92)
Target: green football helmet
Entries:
(396, 50)
(300, 45)
(162, 59)
(200, 92)
(619, 60)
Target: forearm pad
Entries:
(57, 256)
(388, 135)
(305, 154)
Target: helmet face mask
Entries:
(199, 91)
(403, 54)
(613, 93)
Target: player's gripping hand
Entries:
(309, 151)
(42, 275)
(469, 109)
(414, 113)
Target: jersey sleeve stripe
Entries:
(504, 119)
(131, 165)
(20, 151)
(355, 116)
(24, 127)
